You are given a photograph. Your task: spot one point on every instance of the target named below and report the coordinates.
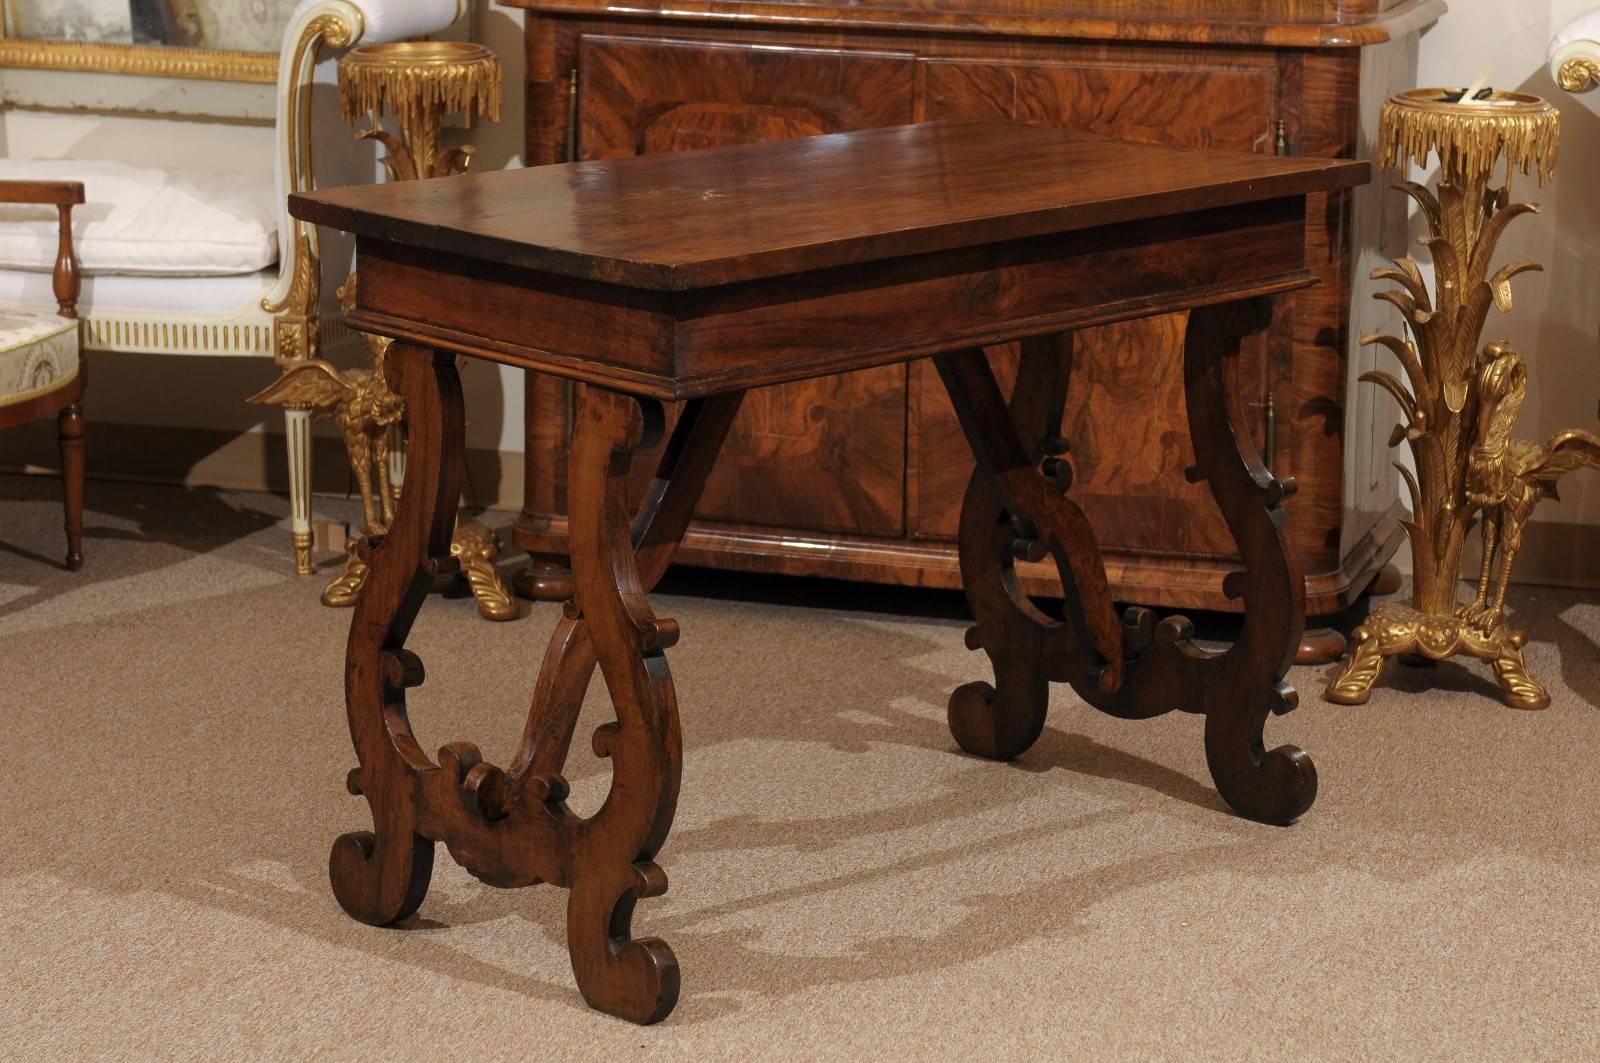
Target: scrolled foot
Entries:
(343, 592)
(1277, 789)
(1518, 689)
(1354, 684)
(999, 724)
(379, 882)
(476, 546)
(636, 980)
(1274, 787)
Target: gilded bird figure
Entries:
(365, 408)
(1506, 478)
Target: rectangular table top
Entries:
(700, 219)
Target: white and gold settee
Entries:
(191, 263)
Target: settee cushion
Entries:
(109, 293)
(143, 221)
(38, 354)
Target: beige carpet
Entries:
(844, 885)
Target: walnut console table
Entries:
(695, 277)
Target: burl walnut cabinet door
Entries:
(826, 455)
(1130, 441)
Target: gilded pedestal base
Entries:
(475, 546)
(343, 592)
(1396, 630)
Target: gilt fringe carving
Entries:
(417, 83)
(1470, 138)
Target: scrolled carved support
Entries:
(1237, 689)
(1580, 73)
(512, 827)
(382, 876)
(1014, 511)
(1126, 666)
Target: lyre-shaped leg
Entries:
(613, 866)
(1016, 508)
(1239, 689)
(1012, 511)
(615, 562)
(513, 827)
(381, 876)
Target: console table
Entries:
(696, 277)
(860, 476)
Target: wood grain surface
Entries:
(1279, 23)
(699, 219)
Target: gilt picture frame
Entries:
(211, 40)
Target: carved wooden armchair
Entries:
(1575, 54)
(146, 305)
(42, 369)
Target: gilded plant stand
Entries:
(416, 83)
(1463, 402)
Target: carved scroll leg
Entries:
(1014, 511)
(1276, 786)
(613, 866)
(658, 528)
(381, 876)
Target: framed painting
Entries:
(214, 40)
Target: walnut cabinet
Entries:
(861, 476)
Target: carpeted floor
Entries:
(844, 885)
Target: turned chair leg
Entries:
(297, 432)
(70, 430)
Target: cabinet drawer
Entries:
(1193, 107)
(639, 95)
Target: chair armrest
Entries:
(67, 281)
(1575, 54)
(56, 193)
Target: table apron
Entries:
(676, 345)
